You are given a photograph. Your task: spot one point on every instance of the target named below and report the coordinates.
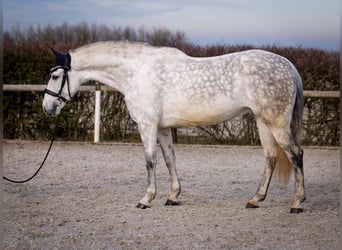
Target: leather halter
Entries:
(64, 80)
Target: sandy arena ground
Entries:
(85, 197)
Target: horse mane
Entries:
(101, 44)
(123, 45)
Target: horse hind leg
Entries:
(165, 140)
(289, 144)
(270, 153)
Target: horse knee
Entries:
(151, 159)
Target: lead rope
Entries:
(41, 165)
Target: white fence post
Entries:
(97, 122)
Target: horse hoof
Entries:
(250, 205)
(171, 203)
(296, 210)
(142, 206)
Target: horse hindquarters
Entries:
(289, 140)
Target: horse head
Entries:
(59, 89)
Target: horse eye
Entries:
(54, 77)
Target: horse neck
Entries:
(107, 68)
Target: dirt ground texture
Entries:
(85, 198)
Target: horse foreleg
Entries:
(165, 140)
(149, 138)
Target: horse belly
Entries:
(185, 115)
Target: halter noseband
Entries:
(64, 80)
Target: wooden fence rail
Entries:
(98, 88)
(30, 87)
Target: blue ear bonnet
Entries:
(63, 60)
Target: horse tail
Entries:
(283, 167)
(297, 113)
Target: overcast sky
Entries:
(308, 23)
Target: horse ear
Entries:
(61, 59)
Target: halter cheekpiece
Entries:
(62, 61)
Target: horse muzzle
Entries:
(53, 109)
